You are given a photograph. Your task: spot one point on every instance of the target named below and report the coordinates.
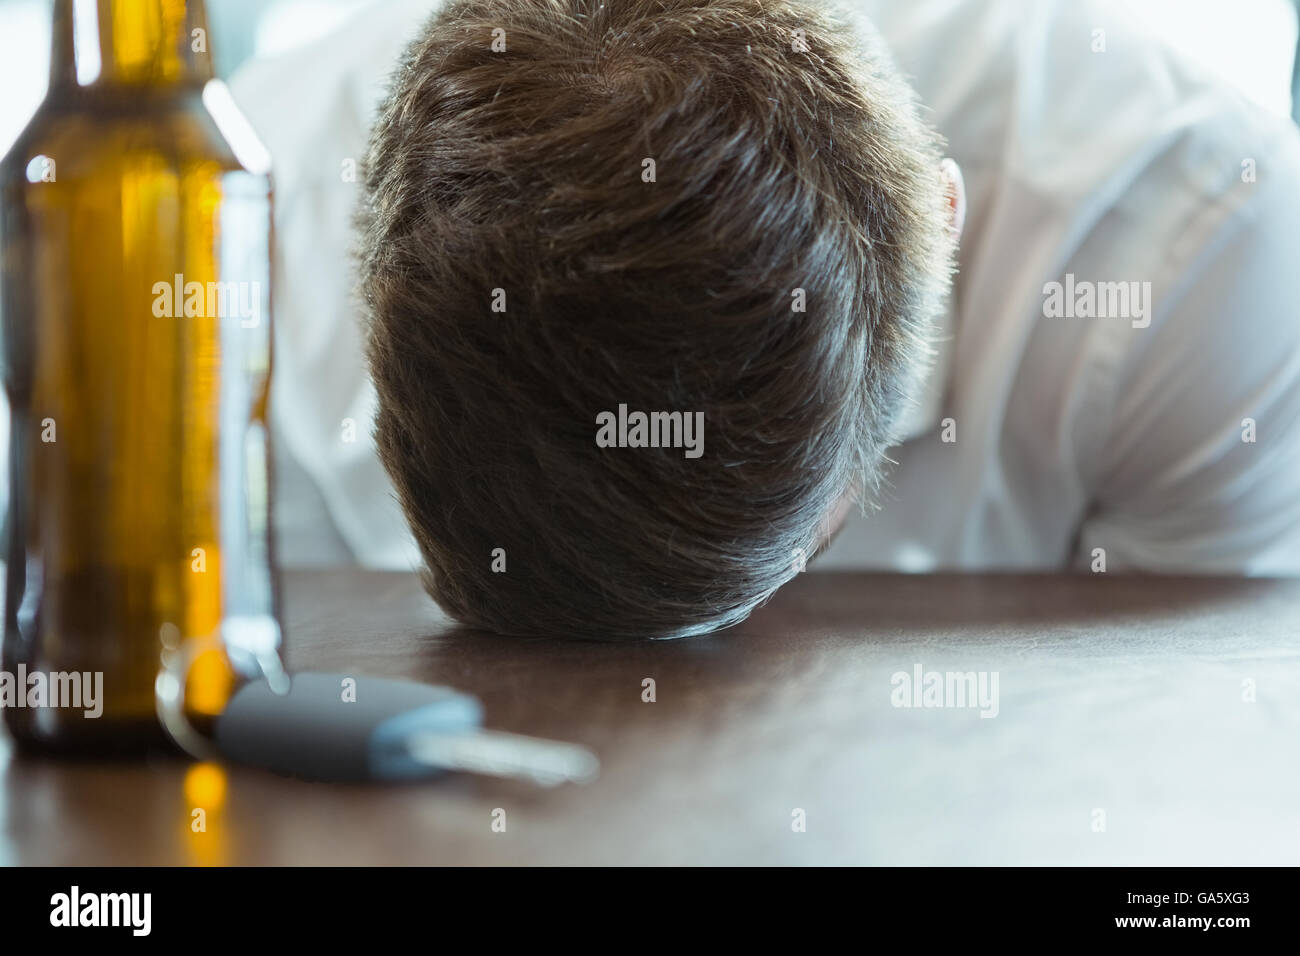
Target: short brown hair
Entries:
(788, 156)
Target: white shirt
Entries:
(1078, 440)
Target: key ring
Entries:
(250, 644)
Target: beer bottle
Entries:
(135, 232)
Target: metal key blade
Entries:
(545, 762)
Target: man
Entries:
(587, 227)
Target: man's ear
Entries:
(956, 190)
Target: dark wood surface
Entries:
(1170, 705)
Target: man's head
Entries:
(725, 207)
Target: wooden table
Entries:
(1125, 732)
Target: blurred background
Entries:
(1251, 43)
(241, 29)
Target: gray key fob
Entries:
(326, 729)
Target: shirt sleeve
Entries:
(1199, 469)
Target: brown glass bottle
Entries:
(135, 232)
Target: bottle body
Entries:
(136, 321)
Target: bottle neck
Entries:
(154, 43)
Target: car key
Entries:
(382, 729)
